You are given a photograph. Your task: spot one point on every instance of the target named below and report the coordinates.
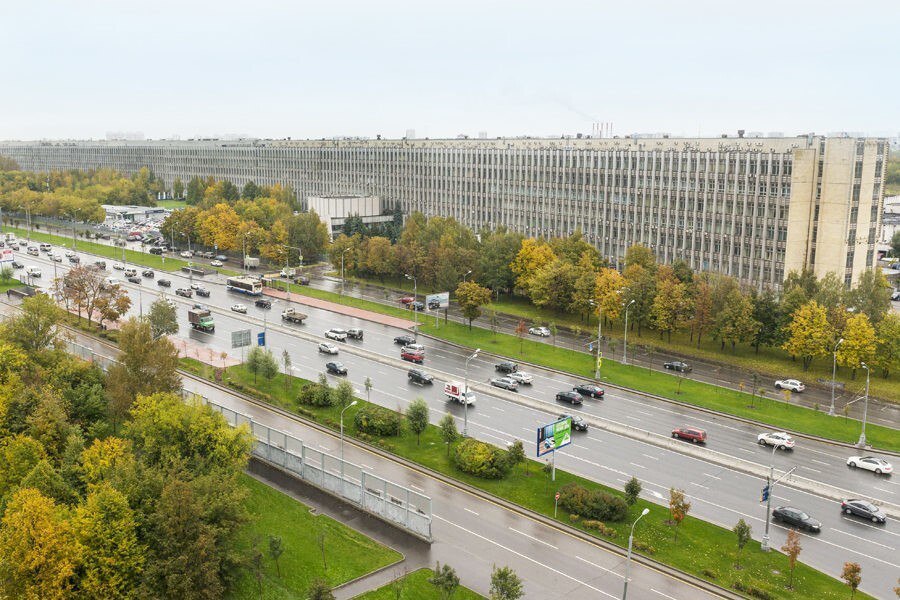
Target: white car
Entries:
(779, 439)
(539, 331)
(216, 263)
(187, 254)
(118, 266)
(871, 463)
(33, 271)
(56, 257)
(240, 308)
(338, 335)
(521, 377)
(790, 384)
(327, 348)
(70, 253)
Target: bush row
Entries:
(592, 504)
(481, 459)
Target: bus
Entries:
(245, 285)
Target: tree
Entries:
(640, 255)
(286, 363)
(319, 590)
(505, 584)
(344, 393)
(380, 259)
(640, 286)
(872, 295)
(608, 293)
(220, 226)
(307, 232)
(445, 579)
(735, 322)
(498, 251)
(36, 326)
(895, 244)
(368, 385)
(703, 317)
(276, 549)
(533, 256)
(632, 491)
(679, 508)
(852, 575)
(670, 304)
(742, 532)
(18, 456)
(178, 188)
(792, 549)
(516, 454)
(163, 318)
(585, 287)
(471, 297)
(809, 333)
(887, 345)
(251, 191)
(261, 361)
(859, 343)
(766, 312)
(553, 285)
(417, 415)
(449, 433)
(111, 304)
(521, 330)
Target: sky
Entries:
(277, 69)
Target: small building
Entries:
(134, 214)
(334, 210)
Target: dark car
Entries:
(412, 355)
(221, 257)
(100, 264)
(419, 376)
(434, 304)
(148, 273)
(302, 280)
(186, 292)
(136, 280)
(589, 389)
(156, 250)
(17, 265)
(202, 292)
(406, 340)
(864, 509)
(506, 367)
(336, 368)
(417, 306)
(163, 283)
(694, 434)
(578, 424)
(74, 260)
(263, 303)
(677, 365)
(797, 518)
(207, 254)
(569, 396)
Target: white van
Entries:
(45, 247)
(33, 271)
(130, 272)
(32, 250)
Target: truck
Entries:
(292, 315)
(454, 390)
(251, 262)
(201, 319)
(288, 273)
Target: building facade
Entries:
(752, 208)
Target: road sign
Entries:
(437, 301)
(554, 436)
(599, 360)
(557, 495)
(6, 255)
(261, 338)
(765, 494)
(240, 338)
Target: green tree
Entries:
(859, 343)
(471, 297)
(505, 584)
(553, 285)
(498, 250)
(49, 482)
(48, 423)
(766, 312)
(735, 322)
(449, 433)
(319, 590)
(262, 362)
(895, 244)
(178, 188)
(585, 287)
(18, 456)
(163, 318)
(445, 580)
(516, 454)
(36, 326)
(417, 415)
(872, 295)
(703, 317)
(307, 232)
(887, 345)
(640, 286)
(632, 491)
(251, 191)
(742, 532)
(640, 255)
(196, 188)
(344, 393)
(670, 304)
(809, 333)
(286, 363)
(276, 549)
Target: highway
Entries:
(719, 495)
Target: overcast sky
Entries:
(330, 68)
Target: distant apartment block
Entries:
(754, 208)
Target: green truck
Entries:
(201, 319)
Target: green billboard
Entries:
(554, 436)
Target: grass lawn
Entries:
(415, 586)
(348, 554)
(171, 203)
(703, 549)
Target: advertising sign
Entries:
(6, 255)
(554, 436)
(240, 338)
(437, 301)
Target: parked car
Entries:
(302, 280)
(864, 509)
(419, 376)
(790, 384)
(216, 263)
(136, 280)
(589, 389)
(677, 365)
(156, 251)
(539, 331)
(693, 434)
(505, 382)
(56, 257)
(434, 304)
(186, 292)
(522, 377)
(202, 292)
(871, 463)
(207, 254)
(187, 254)
(407, 300)
(569, 396)
(163, 283)
(239, 308)
(147, 273)
(69, 253)
(778, 439)
(221, 258)
(263, 303)
(412, 355)
(417, 306)
(405, 340)
(336, 368)
(326, 348)
(338, 335)
(578, 424)
(506, 367)
(797, 518)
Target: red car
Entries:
(407, 300)
(412, 356)
(694, 434)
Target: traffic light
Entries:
(765, 494)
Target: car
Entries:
(677, 365)
(186, 292)
(338, 335)
(578, 424)
(871, 463)
(109, 282)
(896, 295)
(790, 384)
(120, 242)
(419, 376)
(326, 348)
(56, 257)
(69, 253)
(505, 382)
(17, 265)
(302, 280)
(263, 303)
(163, 283)
(506, 367)
(187, 254)
(407, 300)
(196, 286)
(778, 439)
(415, 348)
(796, 517)
(694, 434)
(33, 271)
(100, 264)
(355, 332)
(434, 304)
(864, 509)
(216, 263)
(405, 340)
(239, 308)
(522, 377)
(416, 306)
(149, 274)
(136, 280)
(539, 331)
(207, 254)
(412, 355)
(569, 396)
(118, 266)
(221, 258)
(156, 251)
(336, 368)
(74, 260)
(202, 292)
(589, 389)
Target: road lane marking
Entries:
(869, 525)
(840, 546)
(471, 511)
(602, 568)
(811, 469)
(864, 539)
(417, 488)
(531, 537)
(882, 489)
(699, 485)
(663, 595)
(712, 476)
(650, 457)
(819, 462)
(638, 466)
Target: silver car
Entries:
(505, 382)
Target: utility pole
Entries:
(767, 496)
(625, 342)
(833, 374)
(862, 436)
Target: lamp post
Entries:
(469, 272)
(346, 250)
(415, 297)
(862, 436)
(466, 395)
(628, 560)
(599, 337)
(833, 373)
(625, 342)
(342, 440)
(764, 546)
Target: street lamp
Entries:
(466, 395)
(764, 546)
(415, 297)
(469, 272)
(862, 436)
(625, 342)
(346, 250)
(628, 560)
(599, 337)
(342, 440)
(833, 373)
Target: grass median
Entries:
(703, 549)
(415, 586)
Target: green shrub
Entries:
(751, 591)
(600, 527)
(710, 573)
(315, 394)
(644, 547)
(378, 421)
(481, 459)
(593, 504)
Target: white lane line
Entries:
(699, 485)
(637, 465)
(497, 408)
(531, 537)
(650, 457)
(811, 469)
(846, 548)
(713, 477)
(819, 462)
(857, 522)
(528, 558)
(417, 488)
(602, 568)
(644, 412)
(882, 489)
(632, 417)
(745, 450)
(663, 595)
(365, 466)
(471, 511)
(864, 539)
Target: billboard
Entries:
(6, 255)
(437, 301)
(240, 338)
(554, 436)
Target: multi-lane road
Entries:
(718, 494)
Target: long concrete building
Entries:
(753, 208)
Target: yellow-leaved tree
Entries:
(609, 284)
(533, 256)
(809, 333)
(859, 343)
